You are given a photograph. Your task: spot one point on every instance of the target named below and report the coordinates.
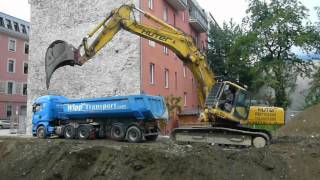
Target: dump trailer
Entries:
(132, 118)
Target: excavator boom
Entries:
(61, 53)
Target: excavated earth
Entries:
(293, 154)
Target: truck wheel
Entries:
(134, 134)
(41, 132)
(83, 132)
(117, 132)
(151, 138)
(69, 132)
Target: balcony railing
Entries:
(197, 18)
(178, 4)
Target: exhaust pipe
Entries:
(60, 54)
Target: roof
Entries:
(14, 27)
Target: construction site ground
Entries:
(292, 155)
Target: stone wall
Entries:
(115, 70)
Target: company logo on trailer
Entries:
(93, 107)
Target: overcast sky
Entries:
(222, 10)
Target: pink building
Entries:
(162, 72)
(14, 49)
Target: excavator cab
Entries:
(229, 101)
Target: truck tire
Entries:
(134, 134)
(41, 132)
(117, 132)
(69, 132)
(84, 132)
(151, 137)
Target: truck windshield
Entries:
(242, 105)
(36, 107)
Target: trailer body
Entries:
(114, 117)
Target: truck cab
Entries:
(42, 110)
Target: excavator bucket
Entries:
(59, 54)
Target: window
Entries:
(192, 85)
(242, 105)
(197, 39)
(9, 25)
(11, 66)
(23, 110)
(24, 30)
(165, 14)
(24, 89)
(25, 68)
(175, 80)
(165, 50)
(9, 111)
(1, 22)
(12, 45)
(26, 48)
(151, 73)
(185, 98)
(183, 16)
(166, 78)
(10, 88)
(150, 4)
(184, 71)
(152, 43)
(16, 26)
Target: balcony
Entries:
(178, 5)
(197, 18)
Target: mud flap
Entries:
(59, 54)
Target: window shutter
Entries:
(2, 87)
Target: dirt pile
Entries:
(306, 123)
(104, 159)
(293, 154)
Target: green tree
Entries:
(278, 27)
(228, 52)
(313, 96)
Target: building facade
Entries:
(14, 50)
(162, 71)
(127, 65)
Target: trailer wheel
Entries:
(134, 134)
(151, 137)
(41, 132)
(83, 132)
(117, 132)
(69, 132)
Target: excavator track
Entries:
(223, 135)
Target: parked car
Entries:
(4, 124)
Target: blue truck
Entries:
(132, 118)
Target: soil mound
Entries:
(103, 159)
(306, 123)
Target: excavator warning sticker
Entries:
(265, 115)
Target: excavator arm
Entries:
(60, 53)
